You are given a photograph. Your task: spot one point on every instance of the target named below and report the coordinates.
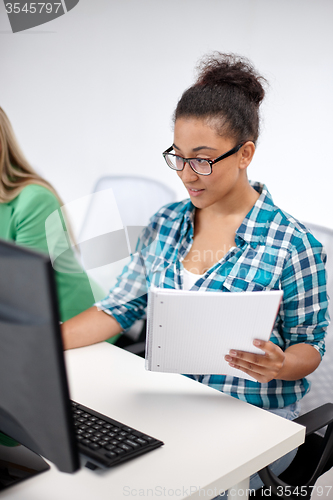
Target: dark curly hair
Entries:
(228, 92)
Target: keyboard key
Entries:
(131, 443)
(94, 446)
(110, 447)
(141, 441)
(138, 434)
(119, 451)
(86, 441)
(125, 447)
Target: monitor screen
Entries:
(35, 407)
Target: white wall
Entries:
(93, 92)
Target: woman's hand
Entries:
(263, 367)
(296, 362)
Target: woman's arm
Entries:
(89, 327)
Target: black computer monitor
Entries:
(35, 407)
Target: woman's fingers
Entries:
(263, 367)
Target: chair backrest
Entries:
(322, 379)
(134, 200)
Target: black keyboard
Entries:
(107, 441)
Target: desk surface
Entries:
(212, 441)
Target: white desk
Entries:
(212, 441)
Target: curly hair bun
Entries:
(229, 90)
(231, 70)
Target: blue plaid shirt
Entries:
(273, 251)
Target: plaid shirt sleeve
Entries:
(303, 312)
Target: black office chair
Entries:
(134, 340)
(315, 456)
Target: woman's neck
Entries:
(234, 207)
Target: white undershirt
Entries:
(189, 279)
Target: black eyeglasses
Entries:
(198, 165)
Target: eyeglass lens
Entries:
(199, 165)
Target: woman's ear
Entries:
(247, 152)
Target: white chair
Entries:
(119, 209)
(135, 199)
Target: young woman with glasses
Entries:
(229, 236)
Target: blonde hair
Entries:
(15, 170)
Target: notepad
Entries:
(190, 332)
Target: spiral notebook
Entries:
(190, 332)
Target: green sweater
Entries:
(22, 221)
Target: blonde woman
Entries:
(26, 202)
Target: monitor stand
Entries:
(17, 463)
